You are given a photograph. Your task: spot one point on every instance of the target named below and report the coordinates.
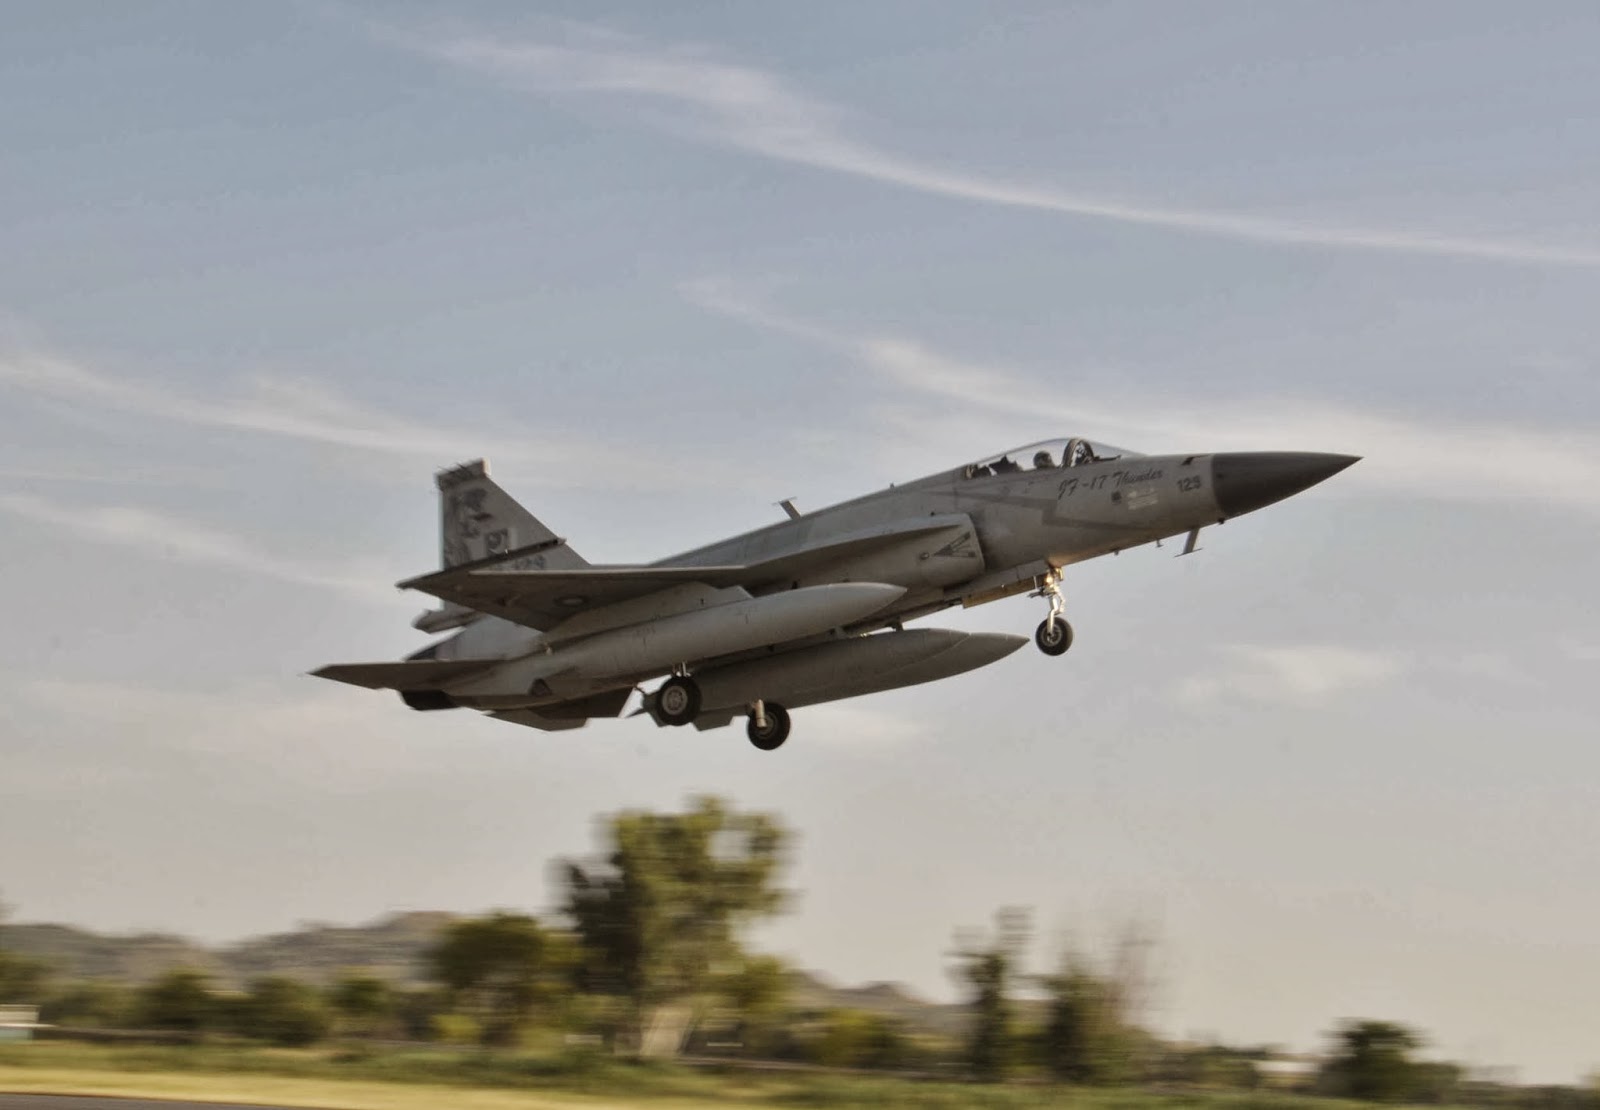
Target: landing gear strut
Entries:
(678, 700)
(1054, 634)
(769, 725)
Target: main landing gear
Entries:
(678, 700)
(769, 725)
(1054, 634)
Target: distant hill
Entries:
(392, 947)
(80, 954)
(811, 992)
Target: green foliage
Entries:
(1213, 1066)
(666, 909)
(90, 1005)
(1085, 1039)
(454, 1029)
(282, 1011)
(1091, 1035)
(987, 966)
(757, 988)
(415, 1011)
(1372, 1061)
(179, 1001)
(1438, 1082)
(496, 970)
(858, 1039)
(21, 979)
(365, 1002)
(756, 992)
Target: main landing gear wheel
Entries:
(1054, 636)
(678, 700)
(770, 728)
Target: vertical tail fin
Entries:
(479, 520)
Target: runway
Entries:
(86, 1102)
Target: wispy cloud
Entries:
(310, 412)
(291, 408)
(152, 476)
(1304, 674)
(705, 98)
(168, 537)
(1437, 457)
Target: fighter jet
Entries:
(808, 610)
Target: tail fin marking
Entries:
(478, 520)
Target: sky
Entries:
(264, 268)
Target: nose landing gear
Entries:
(1054, 634)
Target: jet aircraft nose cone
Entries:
(1247, 480)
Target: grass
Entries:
(404, 1078)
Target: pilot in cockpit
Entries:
(1043, 460)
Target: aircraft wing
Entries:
(419, 674)
(542, 599)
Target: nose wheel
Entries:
(769, 725)
(1054, 634)
(678, 700)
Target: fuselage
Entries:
(1031, 520)
(786, 614)
(962, 537)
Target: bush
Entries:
(90, 1005)
(179, 1001)
(283, 1012)
(858, 1039)
(454, 1029)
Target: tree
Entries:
(662, 916)
(1091, 1034)
(1372, 1061)
(988, 965)
(179, 1001)
(756, 991)
(21, 979)
(365, 1002)
(284, 1012)
(496, 969)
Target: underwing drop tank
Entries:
(850, 668)
(661, 644)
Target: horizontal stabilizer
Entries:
(420, 674)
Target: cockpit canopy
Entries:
(1051, 454)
